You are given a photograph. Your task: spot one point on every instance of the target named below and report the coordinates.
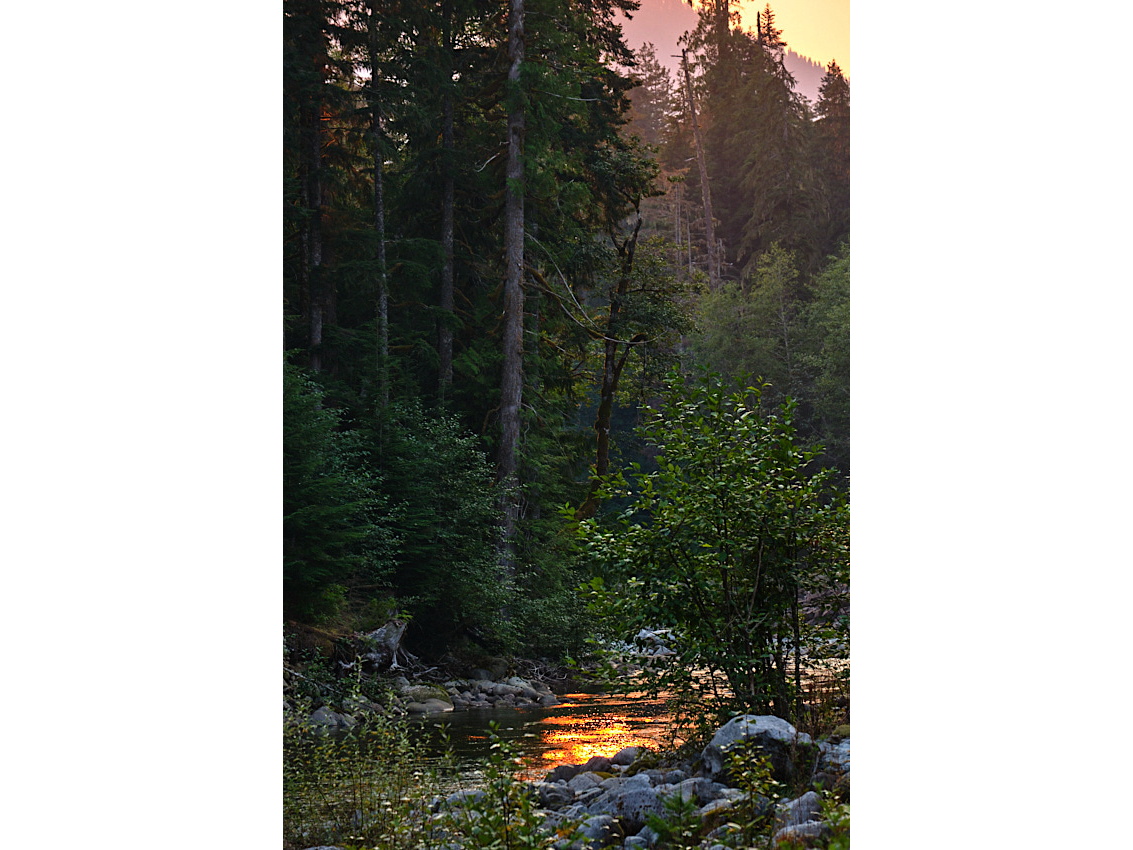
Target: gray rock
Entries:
(429, 706)
(801, 810)
(626, 755)
(468, 795)
(548, 700)
(552, 796)
(635, 841)
(775, 737)
(482, 674)
(582, 782)
(805, 834)
(630, 801)
(698, 788)
(596, 763)
(600, 831)
(563, 773)
(834, 758)
(326, 718)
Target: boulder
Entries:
(325, 718)
(600, 831)
(582, 782)
(630, 801)
(834, 757)
(597, 763)
(429, 706)
(552, 796)
(785, 746)
(563, 773)
(626, 756)
(801, 810)
(548, 700)
(802, 835)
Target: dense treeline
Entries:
(494, 249)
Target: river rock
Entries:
(698, 788)
(626, 756)
(600, 831)
(834, 757)
(775, 737)
(582, 782)
(597, 763)
(552, 796)
(429, 706)
(326, 718)
(801, 810)
(547, 700)
(563, 773)
(630, 801)
(802, 835)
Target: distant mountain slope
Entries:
(662, 22)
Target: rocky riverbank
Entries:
(615, 801)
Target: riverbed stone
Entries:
(802, 835)
(600, 831)
(801, 810)
(547, 700)
(582, 782)
(597, 763)
(563, 773)
(834, 757)
(552, 796)
(429, 706)
(626, 755)
(773, 736)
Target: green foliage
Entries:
(718, 544)
(445, 571)
(505, 817)
(369, 788)
(334, 529)
(679, 826)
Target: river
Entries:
(581, 726)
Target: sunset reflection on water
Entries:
(600, 726)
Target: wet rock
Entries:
(552, 796)
(597, 763)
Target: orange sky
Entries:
(819, 29)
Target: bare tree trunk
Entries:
(379, 217)
(511, 382)
(447, 219)
(706, 194)
(313, 230)
(612, 367)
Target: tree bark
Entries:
(447, 218)
(312, 141)
(511, 382)
(382, 306)
(705, 192)
(613, 362)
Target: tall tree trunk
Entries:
(705, 192)
(312, 141)
(511, 382)
(382, 307)
(447, 220)
(613, 362)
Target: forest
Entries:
(566, 337)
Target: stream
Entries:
(582, 725)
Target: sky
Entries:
(818, 29)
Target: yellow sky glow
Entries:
(819, 29)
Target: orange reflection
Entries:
(575, 740)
